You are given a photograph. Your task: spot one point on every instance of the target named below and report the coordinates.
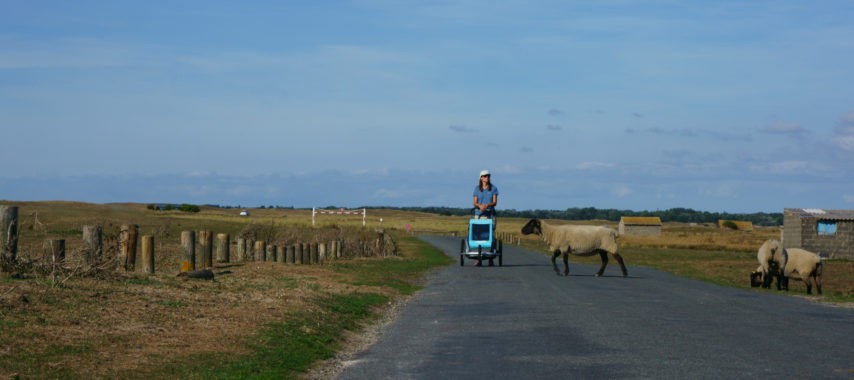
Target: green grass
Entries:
(143, 281)
(397, 273)
(33, 363)
(289, 282)
(171, 303)
(281, 350)
(288, 348)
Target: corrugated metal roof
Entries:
(817, 213)
(641, 220)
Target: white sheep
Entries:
(772, 260)
(577, 240)
(803, 265)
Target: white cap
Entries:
(484, 172)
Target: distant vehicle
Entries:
(244, 213)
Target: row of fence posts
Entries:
(505, 237)
(249, 250)
(209, 250)
(509, 238)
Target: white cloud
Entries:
(719, 190)
(622, 191)
(781, 167)
(789, 166)
(843, 135)
(63, 53)
(595, 165)
(845, 142)
(787, 129)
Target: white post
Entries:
(363, 217)
(312, 215)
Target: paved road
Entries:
(523, 321)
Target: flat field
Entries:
(109, 323)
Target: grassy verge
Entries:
(398, 273)
(288, 348)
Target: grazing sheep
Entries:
(803, 265)
(577, 240)
(756, 278)
(772, 260)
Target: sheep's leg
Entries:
(622, 264)
(554, 261)
(566, 263)
(767, 279)
(808, 284)
(817, 277)
(604, 256)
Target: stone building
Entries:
(829, 233)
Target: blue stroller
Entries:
(481, 244)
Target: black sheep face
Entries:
(755, 279)
(533, 227)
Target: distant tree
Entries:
(189, 208)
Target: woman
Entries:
(485, 197)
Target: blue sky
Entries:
(644, 105)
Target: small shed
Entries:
(640, 226)
(741, 225)
(829, 233)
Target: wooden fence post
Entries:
(93, 245)
(312, 249)
(188, 251)
(271, 253)
(148, 254)
(298, 253)
(260, 250)
(8, 234)
(291, 253)
(241, 250)
(222, 246)
(321, 252)
(206, 248)
(127, 246)
(54, 252)
(280, 253)
(250, 249)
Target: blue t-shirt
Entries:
(483, 197)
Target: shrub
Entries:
(189, 208)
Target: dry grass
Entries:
(103, 327)
(109, 324)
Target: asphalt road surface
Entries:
(521, 321)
